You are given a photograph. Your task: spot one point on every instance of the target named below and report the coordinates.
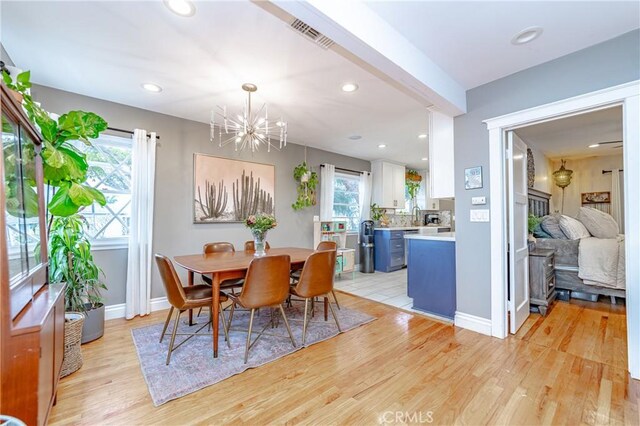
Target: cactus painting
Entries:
(252, 189)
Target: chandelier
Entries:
(248, 131)
(562, 178)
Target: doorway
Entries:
(625, 96)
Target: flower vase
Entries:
(259, 238)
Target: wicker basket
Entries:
(72, 360)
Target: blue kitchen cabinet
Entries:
(431, 276)
(389, 250)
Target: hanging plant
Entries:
(307, 182)
(412, 182)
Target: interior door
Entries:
(518, 246)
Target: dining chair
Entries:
(183, 298)
(266, 285)
(316, 280)
(250, 246)
(221, 247)
(322, 245)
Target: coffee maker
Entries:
(431, 219)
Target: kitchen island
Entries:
(390, 247)
(431, 264)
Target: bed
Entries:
(567, 253)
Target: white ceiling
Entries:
(471, 40)
(570, 137)
(107, 49)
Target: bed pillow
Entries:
(599, 224)
(551, 225)
(538, 232)
(573, 228)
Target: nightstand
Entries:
(542, 279)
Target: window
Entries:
(346, 200)
(109, 171)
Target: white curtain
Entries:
(327, 177)
(616, 199)
(143, 160)
(364, 192)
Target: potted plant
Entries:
(307, 182)
(65, 173)
(259, 225)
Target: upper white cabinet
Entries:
(441, 167)
(388, 185)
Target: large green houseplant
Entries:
(65, 173)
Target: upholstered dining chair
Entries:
(316, 280)
(183, 298)
(266, 285)
(322, 245)
(250, 246)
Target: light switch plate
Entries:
(481, 215)
(478, 200)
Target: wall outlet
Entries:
(478, 201)
(481, 215)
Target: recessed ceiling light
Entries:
(527, 35)
(181, 7)
(595, 145)
(382, 145)
(424, 158)
(151, 87)
(349, 87)
(422, 136)
(355, 137)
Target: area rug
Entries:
(192, 365)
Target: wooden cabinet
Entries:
(542, 278)
(441, 166)
(388, 185)
(425, 201)
(31, 310)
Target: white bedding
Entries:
(601, 262)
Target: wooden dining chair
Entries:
(316, 280)
(183, 298)
(323, 245)
(266, 285)
(250, 246)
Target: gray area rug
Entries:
(192, 365)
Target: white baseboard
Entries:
(118, 311)
(473, 323)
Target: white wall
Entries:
(587, 177)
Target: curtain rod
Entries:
(115, 129)
(604, 172)
(348, 170)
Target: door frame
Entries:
(628, 96)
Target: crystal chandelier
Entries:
(248, 130)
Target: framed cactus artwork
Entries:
(228, 190)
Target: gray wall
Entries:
(174, 232)
(607, 64)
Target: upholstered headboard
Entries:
(538, 202)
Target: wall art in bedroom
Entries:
(228, 190)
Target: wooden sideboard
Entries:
(31, 310)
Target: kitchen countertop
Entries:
(408, 228)
(441, 236)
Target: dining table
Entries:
(226, 266)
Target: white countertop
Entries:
(409, 228)
(440, 236)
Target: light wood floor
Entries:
(568, 369)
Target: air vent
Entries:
(312, 34)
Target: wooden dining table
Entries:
(227, 266)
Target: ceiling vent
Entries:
(312, 34)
